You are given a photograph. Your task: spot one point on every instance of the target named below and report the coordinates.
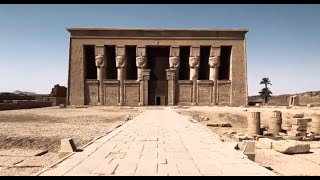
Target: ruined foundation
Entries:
(275, 123)
(254, 124)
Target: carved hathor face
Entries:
(141, 61)
(120, 61)
(174, 62)
(214, 61)
(99, 61)
(194, 62)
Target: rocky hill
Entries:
(312, 97)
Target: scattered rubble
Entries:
(291, 147)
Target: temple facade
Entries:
(141, 67)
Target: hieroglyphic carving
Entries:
(224, 94)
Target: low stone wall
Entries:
(24, 105)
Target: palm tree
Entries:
(265, 81)
(265, 93)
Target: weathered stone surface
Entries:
(298, 115)
(300, 121)
(58, 91)
(67, 145)
(296, 138)
(213, 124)
(266, 133)
(233, 91)
(291, 147)
(62, 106)
(264, 143)
(225, 124)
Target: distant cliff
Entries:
(312, 97)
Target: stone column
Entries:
(315, 123)
(214, 63)
(275, 123)
(174, 60)
(142, 74)
(100, 64)
(254, 124)
(194, 63)
(141, 61)
(145, 79)
(171, 73)
(121, 62)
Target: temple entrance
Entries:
(158, 62)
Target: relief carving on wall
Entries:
(100, 61)
(141, 62)
(174, 62)
(121, 61)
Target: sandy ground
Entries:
(238, 119)
(30, 139)
(24, 134)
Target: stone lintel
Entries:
(116, 82)
(154, 33)
(205, 82)
(92, 81)
(186, 82)
(224, 82)
(133, 82)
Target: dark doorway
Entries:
(158, 100)
(158, 62)
(131, 68)
(91, 69)
(111, 70)
(224, 68)
(184, 69)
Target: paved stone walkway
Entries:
(158, 142)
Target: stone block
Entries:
(213, 124)
(298, 115)
(225, 124)
(67, 147)
(299, 127)
(296, 138)
(264, 143)
(62, 106)
(291, 147)
(300, 121)
(266, 133)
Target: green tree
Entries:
(265, 81)
(265, 93)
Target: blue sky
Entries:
(282, 42)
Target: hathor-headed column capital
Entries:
(121, 61)
(194, 62)
(214, 61)
(141, 62)
(174, 62)
(100, 61)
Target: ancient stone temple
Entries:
(140, 67)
